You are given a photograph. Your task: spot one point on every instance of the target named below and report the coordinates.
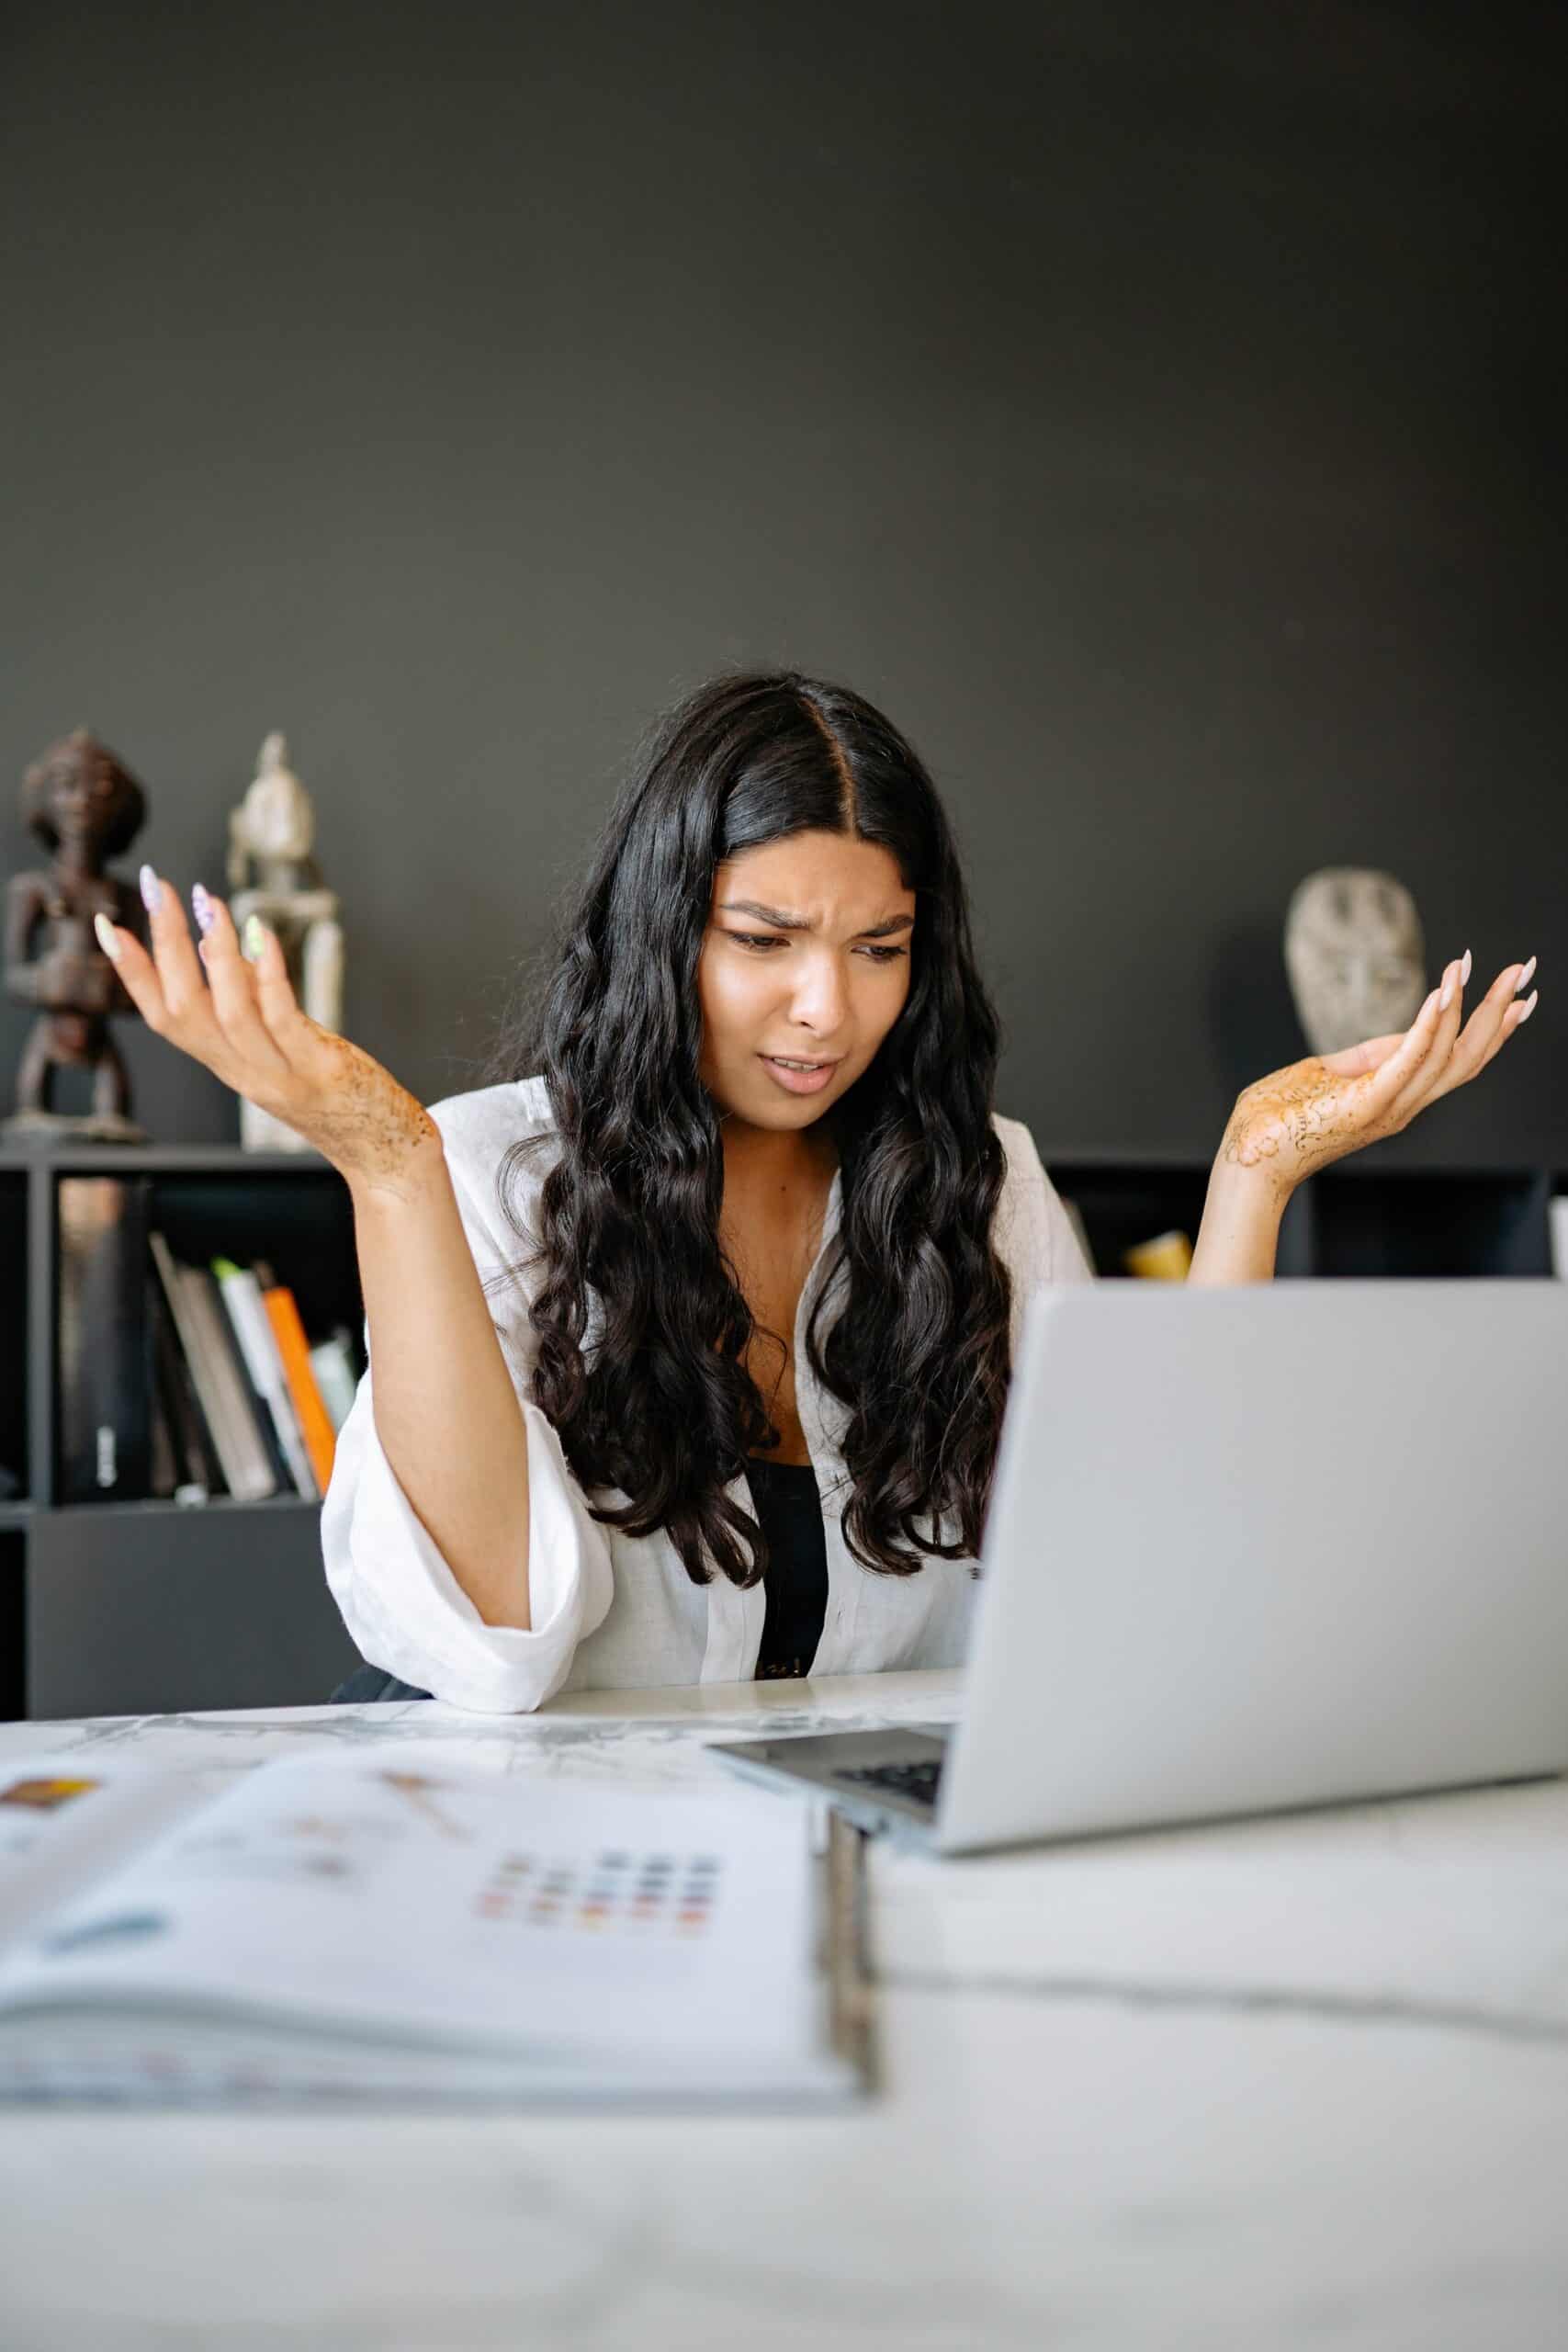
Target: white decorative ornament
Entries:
(273, 875)
(1354, 957)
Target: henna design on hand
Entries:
(1299, 1113)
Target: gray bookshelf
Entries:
(156, 1607)
(130, 1607)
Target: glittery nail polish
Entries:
(255, 935)
(202, 908)
(106, 940)
(152, 890)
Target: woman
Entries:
(730, 1262)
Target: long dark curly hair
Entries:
(661, 1404)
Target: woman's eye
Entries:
(755, 939)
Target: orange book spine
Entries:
(320, 1443)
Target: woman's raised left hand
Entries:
(1297, 1120)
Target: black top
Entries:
(796, 1579)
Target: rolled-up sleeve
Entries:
(400, 1599)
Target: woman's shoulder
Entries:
(479, 1125)
(477, 1128)
(1023, 1163)
(1031, 1229)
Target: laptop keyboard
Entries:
(917, 1781)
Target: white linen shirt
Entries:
(610, 1611)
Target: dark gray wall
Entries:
(1157, 409)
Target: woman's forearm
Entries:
(446, 1413)
(1240, 1232)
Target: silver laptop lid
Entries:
(1279, 1543)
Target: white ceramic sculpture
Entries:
(1354, 957)
(272, 873)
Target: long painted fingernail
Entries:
(1447, 995)
(1523, 980)
(1464, 968)
(255, 935)
(1529, 1008)
(203, 909)
(152, 890)
(107, 939)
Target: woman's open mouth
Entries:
(798, 1077)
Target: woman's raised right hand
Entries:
(239, 1015)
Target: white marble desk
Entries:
(1298, 2082)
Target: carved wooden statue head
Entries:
(78, 798)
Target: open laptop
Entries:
(1249, 1548)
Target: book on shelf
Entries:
(105, 1428)
(274, 1364)
(203, 1330)
(163, 1470)
(391, 1927)
(332, 1361)
(196, 1474)
(316, 1424)
(261, 1419)
(264, 1367)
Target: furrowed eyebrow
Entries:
(797, 922)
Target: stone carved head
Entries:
(271, 831)
(1354, 957)
(277, 817)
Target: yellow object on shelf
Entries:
(1165, 1259)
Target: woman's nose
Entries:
(821, 994)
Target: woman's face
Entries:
(825, 985)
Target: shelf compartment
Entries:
(1425, 1225)
(298, 1217)
(179, 1622)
